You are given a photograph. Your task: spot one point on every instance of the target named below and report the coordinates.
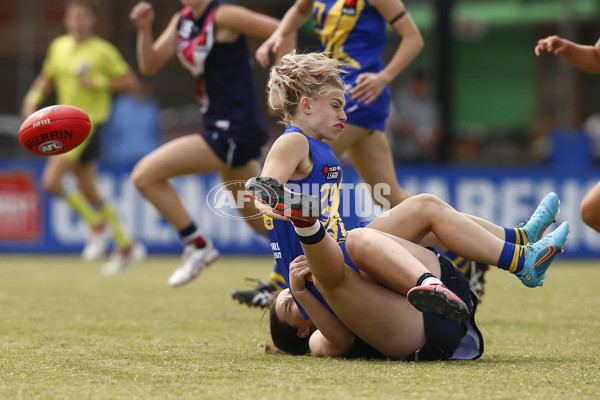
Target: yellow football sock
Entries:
(121, 236)
(80, 204)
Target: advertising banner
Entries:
(32, 221)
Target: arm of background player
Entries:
(586, 58)
(290, 23)
(40, 88)
(368, 85)
(127, 82)
(153, 55)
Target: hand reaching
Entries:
(551, 44)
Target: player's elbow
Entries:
(147, 71)
(342, 346)
(418, 41)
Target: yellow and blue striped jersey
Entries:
(325, 181)
(352, 31)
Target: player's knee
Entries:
(589, 212)
(357, 241)
(139, 177)
(426, 202)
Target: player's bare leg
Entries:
(590, 208)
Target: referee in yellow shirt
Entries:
(85, 70)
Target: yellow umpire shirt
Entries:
(98, 58)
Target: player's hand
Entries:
(142, 15)
(299, 272)
(368, 87)
(271, 45)
(86, 81)
(551, 44)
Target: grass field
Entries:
(67, 332)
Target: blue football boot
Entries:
(543, 216)
(540, 255)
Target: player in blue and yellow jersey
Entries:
(340, 303)
(85, 70)
(354, 31)
(322, 179)
(209, 39)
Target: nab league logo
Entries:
(349, 8)
(331, 172)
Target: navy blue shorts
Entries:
(372, 116)
(92, 150)
(443, 336)
(232, 149)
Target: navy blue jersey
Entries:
(224, 79)
(324, 181)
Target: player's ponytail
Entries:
(302, 75)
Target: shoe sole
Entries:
(426, 300)
(248, 303)
(270, 192)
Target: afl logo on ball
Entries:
(50, 147)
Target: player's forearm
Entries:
(146, 58)
(326, 321)
(293, 19)
(586, 58)
(289, 43)
(35, 96)
(124, 83)
(409, 49)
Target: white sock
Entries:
(309, 230)
(432, 280)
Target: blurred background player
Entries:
(209, 38)
(586, 58)
(85, 70)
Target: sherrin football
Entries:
(54, 130)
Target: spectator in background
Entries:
(586, 58)
(86, 70)
(134, 128)
(413, 127)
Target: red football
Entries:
(54, 130)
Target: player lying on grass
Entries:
(363, 289)
(309, 90)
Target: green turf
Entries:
(66, 332)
